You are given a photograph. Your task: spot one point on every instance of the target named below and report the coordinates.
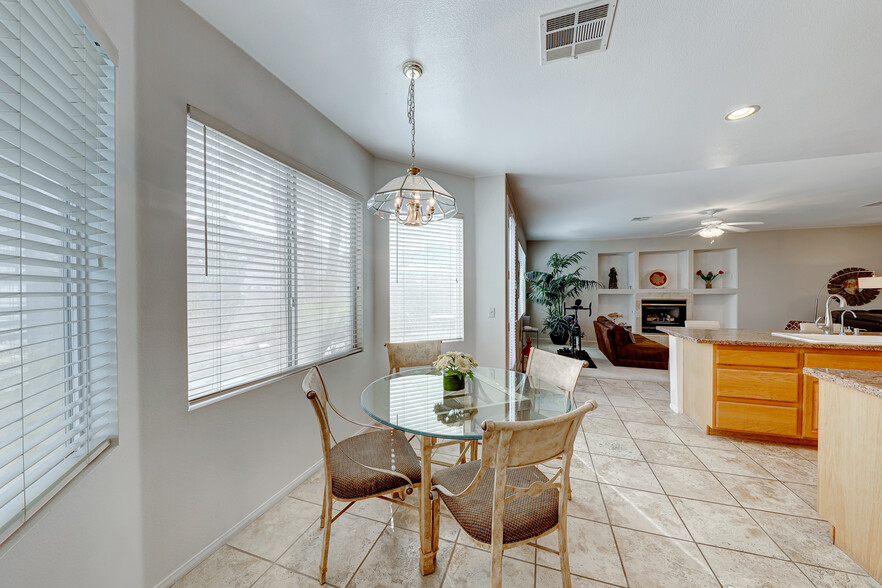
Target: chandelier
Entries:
(412, 199)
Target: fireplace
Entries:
(662, 313)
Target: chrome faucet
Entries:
(827, 327)
(842, 320)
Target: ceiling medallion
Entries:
(412, 199)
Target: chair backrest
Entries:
(414, 354)
(555, 369)
(523, 443)
(314, 387)
(690, 324)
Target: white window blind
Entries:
(522, 281)
(57, 267)
(273, 266)
(425, 281)
(513, 350)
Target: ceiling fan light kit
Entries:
(412, 199)
(713, 227)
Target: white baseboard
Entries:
(249, 518)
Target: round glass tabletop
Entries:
(415, 401)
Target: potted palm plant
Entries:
(552, 289)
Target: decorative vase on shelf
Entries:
(453, 382)
(708, 285)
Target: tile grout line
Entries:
(367, 554)
(606, 509)
(682, 522)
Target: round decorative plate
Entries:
(658, 279)
(845, 283)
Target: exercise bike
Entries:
(575, 349)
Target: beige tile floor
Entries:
(655, 503)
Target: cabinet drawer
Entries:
(759, 385)
(843, 361)
(753, 418)
(757, 357)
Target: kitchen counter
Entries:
(850, 462)
(755, 338)
(867, 382)
(749, 383)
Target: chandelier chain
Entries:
(411, 118)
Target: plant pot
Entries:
(708, 285)
(452, 383)
(559, 338)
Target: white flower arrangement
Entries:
(454, 363)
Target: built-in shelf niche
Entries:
(613, 301)
(722, 307)
(674, 263)
(624, 264)
(719, 303)
(714, 260)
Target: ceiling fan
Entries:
(713, 226)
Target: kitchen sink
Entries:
(831, 339)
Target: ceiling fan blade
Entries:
(695, 234)
(727, 227)
(683, 231)
(747, 223)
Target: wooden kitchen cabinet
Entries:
(762, 390)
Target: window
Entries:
(425, 281)
(522, 281)
(57, 267)
(273, 266)
(512, 279)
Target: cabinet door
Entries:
(844, 361)
(757, 418)
(810, 407)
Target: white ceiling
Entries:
(637, 130)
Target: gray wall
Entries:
(206, 470)
(490, 265)
(779, 272)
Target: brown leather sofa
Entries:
(868, 320)
(623, 348)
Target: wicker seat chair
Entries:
(369, 465)
(504, 500)
(414, 354)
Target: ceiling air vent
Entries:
(573, 32)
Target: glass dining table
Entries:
(414, 401)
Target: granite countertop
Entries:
(755, 338)
(862, 381)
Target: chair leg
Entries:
(496, 564)
(474, 450)
(570, 494)
(326, 536)
(564, 554)
(324, 506)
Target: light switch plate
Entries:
(492, 313)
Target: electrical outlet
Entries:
(492, 313)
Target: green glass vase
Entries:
(453, 382)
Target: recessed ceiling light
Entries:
(742, 112)
(640, 218)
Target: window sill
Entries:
(229, 393)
